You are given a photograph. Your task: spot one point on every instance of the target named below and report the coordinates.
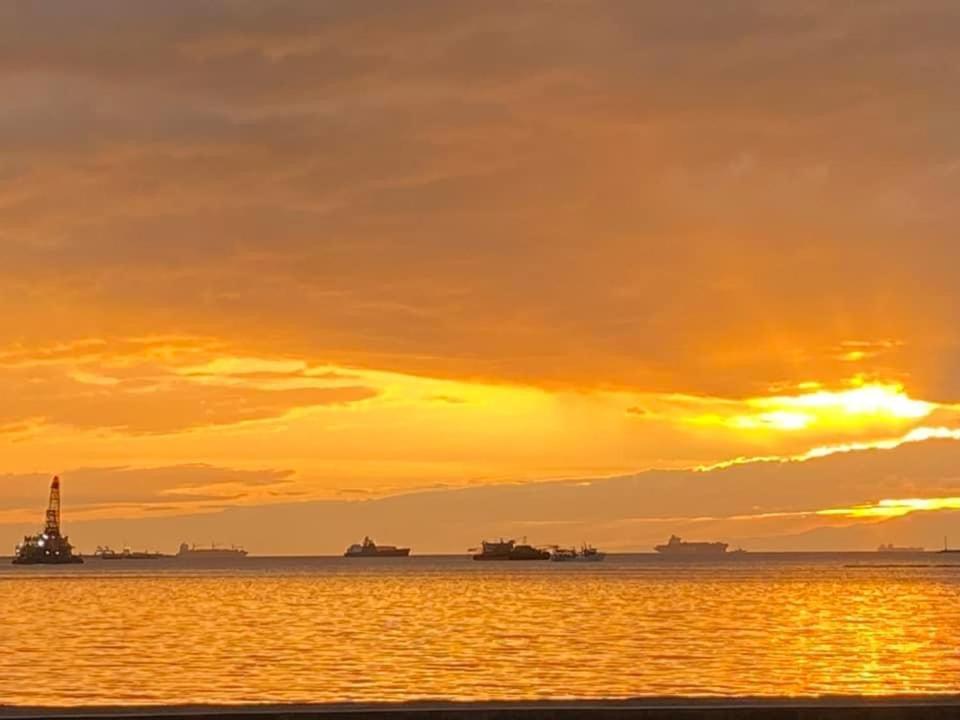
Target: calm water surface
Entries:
(325, 629)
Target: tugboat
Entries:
(510, 550)
(676, 546)
(369, 549)
(50, 547)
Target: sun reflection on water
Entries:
(447, 629)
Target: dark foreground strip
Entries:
(926, 708)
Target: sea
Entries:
(307, 630)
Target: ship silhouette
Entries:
(677, 546)
(586, 553)
(49, 547)
(192, 552)
(890, 548)
(509, 550)
(107, 553)
(369, 549)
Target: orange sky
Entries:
(260, 256)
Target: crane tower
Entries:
(53, 510)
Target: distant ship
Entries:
(586, 553)
(676, 546)
(192, 552)
(369, 549)
(509, 550)
(108, 553)
(947, 549)
(49, 547)
(894, 549)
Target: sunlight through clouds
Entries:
(885, 509)
(831, 409)
(342, 241)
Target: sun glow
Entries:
(875, 399)
(872, 403)
(894, 508)
(345, 431)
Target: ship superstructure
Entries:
(49, 547)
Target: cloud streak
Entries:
(155, 385)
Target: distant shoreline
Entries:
(936, 707)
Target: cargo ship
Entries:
(192, 552)
(49, 547)
(369, 549)
(509, 550)
(676, 546)
(895, 549)
(108, 553)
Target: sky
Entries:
(270, 261)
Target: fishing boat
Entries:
(586, 553)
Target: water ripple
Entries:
(332, 630)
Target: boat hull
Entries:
(398, 552)
(73, 560)
(202, 555)
(512, 557)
